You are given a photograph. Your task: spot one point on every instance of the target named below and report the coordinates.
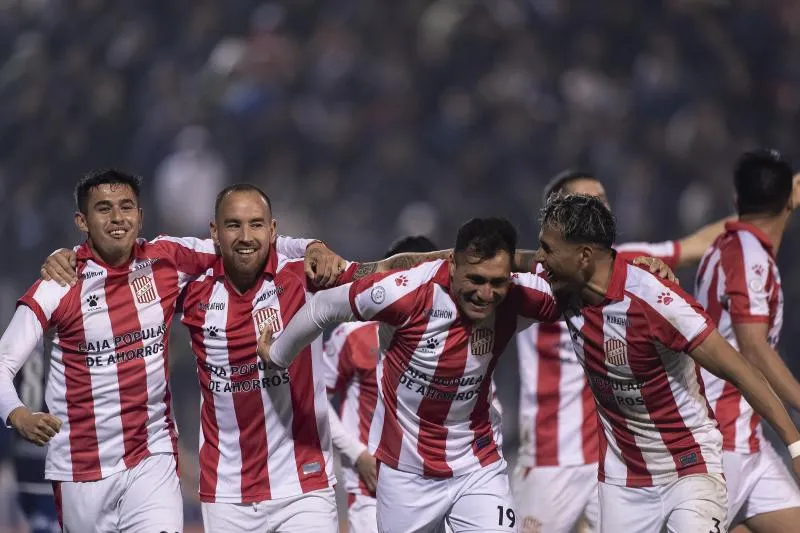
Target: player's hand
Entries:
(38, 428)
(322, 266)
(265, 345)
(61, 267)
(657, 267)
(368, 470)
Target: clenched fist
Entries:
(38, 428)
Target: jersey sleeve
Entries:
(745, 292)
(391, 297)
(676, 319)
(532, 297)
(291, 247)
(339, 368)
(19, 341)
(667, 251)
(190, 255)
(44, 298)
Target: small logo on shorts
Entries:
(378, 294)
(311, 468)
(688, 459)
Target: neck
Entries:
(241, 281)
(595, 289)
(111, 259)
(773, 226)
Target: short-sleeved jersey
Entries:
(557, 416)
(264, 434)
(656, 423)
(108, 378)
(738, 282)
(433, 413)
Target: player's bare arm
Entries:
(754, 346)
(719, 358)
(692, 247)
(322, 265)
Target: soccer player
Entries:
(111, 438)
(555, 480)
(740, 286)
(449, 321)
(265, 444)
(640, 340)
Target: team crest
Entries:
(268, 316)
(616, 352)
(482, 341)
(144, 289)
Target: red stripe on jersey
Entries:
(433, 413)
(548, 385)
(131, 373)
(659, 399)
(595, 359)
(247, 404)
(84, 450)
(505, 325)
(395, 363)
(590, 426)
(34, 306)
(166, 280)
(732, 257)
(307, 446)
(209, 451)
(57, 498)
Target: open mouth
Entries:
(118, 233)
(245, 251)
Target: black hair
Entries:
(763, 182)
(412, 243)
(581, 219)
(484, 237)
(561, 180)
(240, 187)
(104, 176)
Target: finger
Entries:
(46, 430)
(308, 265)
(66, 265)
(53, 422)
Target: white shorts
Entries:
(553, 499)
(313, 511)
(758, 483)
(362, 517)
(142, 499)
(692, 504)
(477, 502)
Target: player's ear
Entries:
(273, 226)
(586, 255)
(141, 219)
(214, 236)
(451, 263)
(80, 221)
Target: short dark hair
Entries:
(103, 176)
(561, 180)
(240, 187)
(763, 182)
(412, 243)
(484, 237)
(581, 219)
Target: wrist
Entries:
(794, 449)
(314, 242)
(15, 415)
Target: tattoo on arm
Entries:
(402, 261)
(525, 261)
(365, 269)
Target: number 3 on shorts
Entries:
(716, 526)
(511, 518)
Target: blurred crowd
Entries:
(365, 120)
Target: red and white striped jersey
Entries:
(264, 434)
(433, 416)
(738, 282)
(351, 360)
(657, 425)
(108, 380)
(557, 420)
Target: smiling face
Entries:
(112, 221)
(244, 230)
(565, 263)
(479, 285)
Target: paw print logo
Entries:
(92, 300)
(665, 298)
(758, 270)
(213, 331)
(401, 281)
(432, 343)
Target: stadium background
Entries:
(366, 120)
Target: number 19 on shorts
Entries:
(506, 516)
